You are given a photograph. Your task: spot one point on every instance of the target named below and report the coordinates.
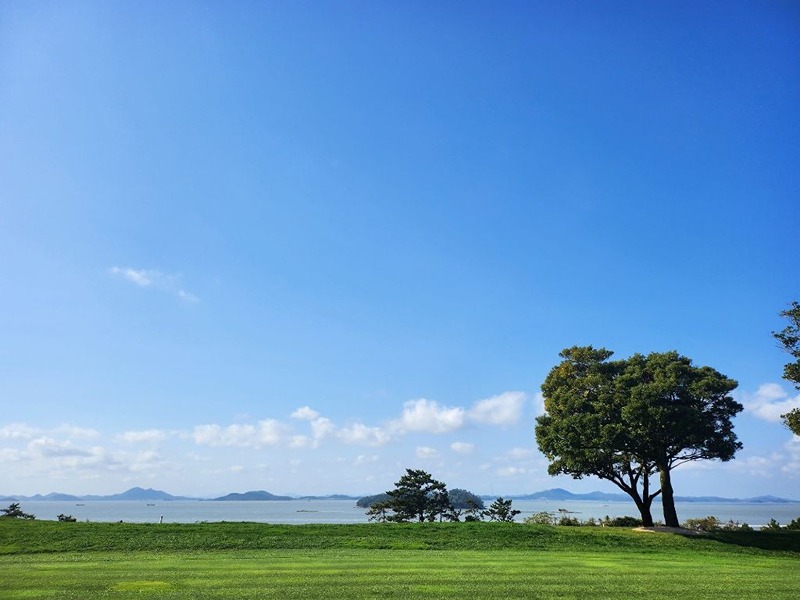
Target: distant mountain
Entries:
(331, 497)
(56, 497)
(137, 494)
(260, 495)
(718, 500)
(562, 494)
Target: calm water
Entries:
(345, 511)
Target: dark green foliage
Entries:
(500, 510)
(773, 525)
(792, 420)
(418, 497)
(622, 522)
(626, 420)
(66, 518)
(794, 525)
(379, 511)
(368, 501)
(464, 500)
(789, 338)
(15, 512)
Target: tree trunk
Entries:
(668, 499)
(644, 510)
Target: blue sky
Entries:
(302, 246)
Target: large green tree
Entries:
(582, 431)
(626, 420)
(418, 497)
(789, 338)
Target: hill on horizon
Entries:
(138, 494)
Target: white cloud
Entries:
(511, 471)
(792, 465)
(266, 433)
(147, 278)
(429, 416)
(305, 413)
(321, 427)
(770, 402)
(78, 432)
(18, 431)
(504, 409)
(359, 433)
(10, 455)
(46, 447)
(426, 452)
(462, 447)
(363, 459)
(148, 460)
(148, 436)
(140, 277)
(538, 404)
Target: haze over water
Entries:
(346, 511)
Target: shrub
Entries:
(569, 522)
(773, 525)
(794, 524)
(625, 521)
(66, 518)
(709, 523)
(540, 518)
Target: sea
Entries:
(345, 511)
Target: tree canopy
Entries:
(15, 512)
(418, 497)
(789, 338)
(626, 420)
(500, 510)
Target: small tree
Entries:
(418, 497)
(15, 512)
(500, 510)
(474, 510)
(379, 511)
(540, 518)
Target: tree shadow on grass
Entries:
(775, 541)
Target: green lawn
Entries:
(233, 560)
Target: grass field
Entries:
(482, 560)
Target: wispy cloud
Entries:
(358, 433)
(770, 402)
(18, 431)
(429, 416)
(462, 447)
(321, 427)
(504, 409)
(268, 432)
(147, 436)
(427, 452)
(150, 278)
